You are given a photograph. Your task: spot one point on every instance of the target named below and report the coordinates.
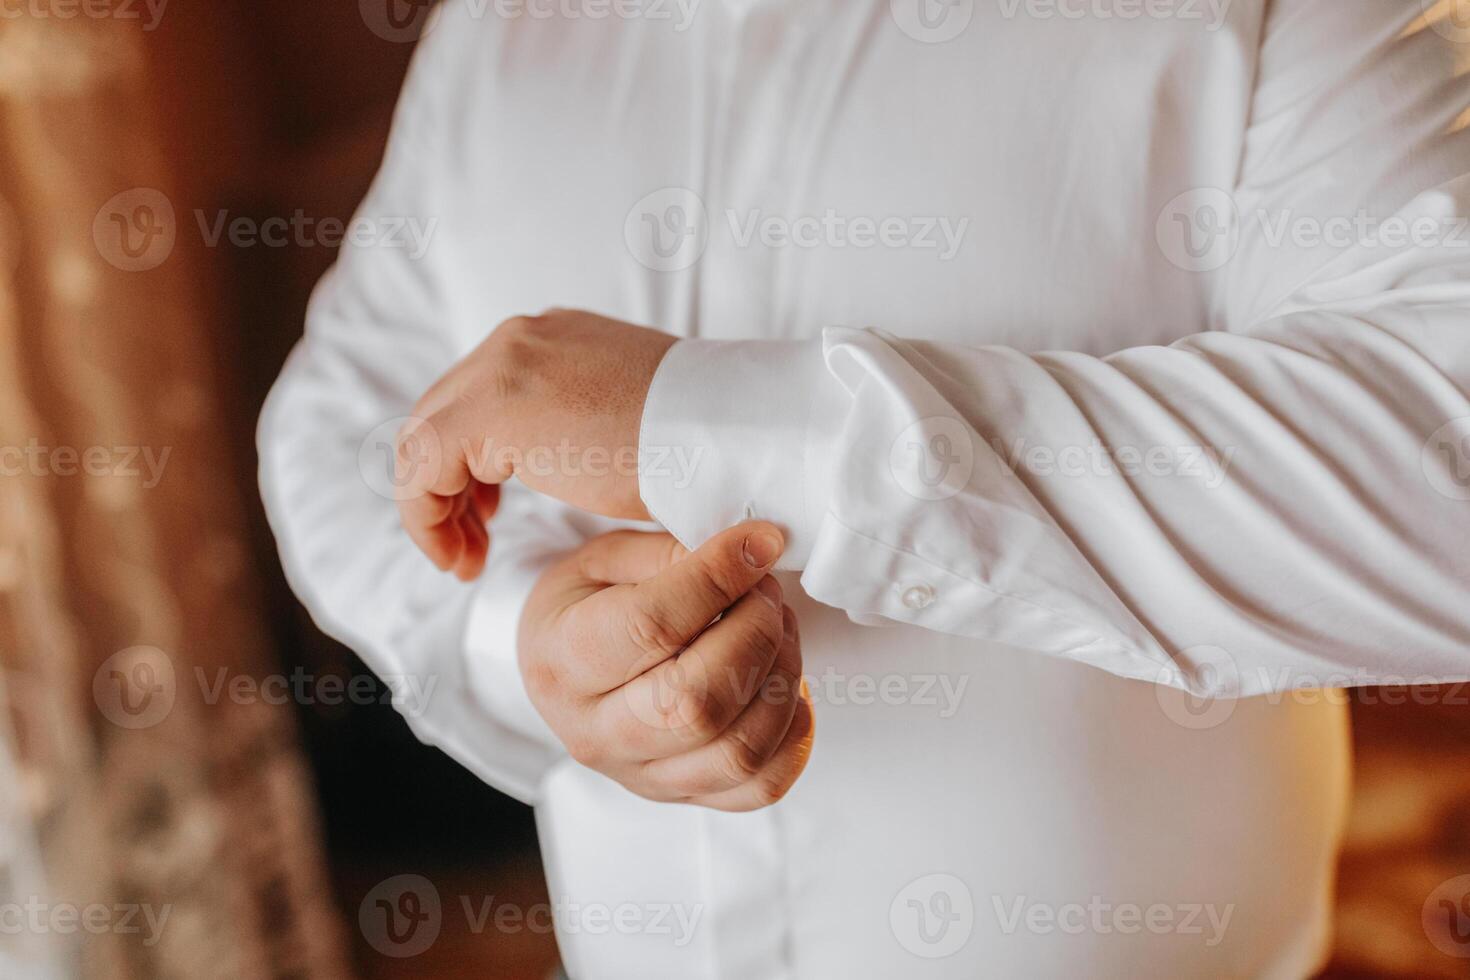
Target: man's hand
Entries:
(623, 656)
(555, 400)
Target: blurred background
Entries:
(194, 782)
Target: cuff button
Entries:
(918, 596)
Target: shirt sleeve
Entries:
(1279, 500)
(380, 329)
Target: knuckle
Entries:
(585, 749)
(782, 686)
(740, 760)
(629, 731)
(639, 782)
(652, 634)
(515, 327)
(759, 636)
(541, 678)
(578, 747)
(418, 437)
(517, 344)
(687, 786)
(770, 790)
(717, 582)
(790, 625)
(701, 716)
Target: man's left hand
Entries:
(555, 400)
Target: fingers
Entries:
(430, 524)
(629, 557)
(444, 507)
(630, 628)
(487, 500)
(670, 609)
(773, 782)
(688, 700)
(438, 455)
(450, 530)
(684, 686)
(743, 750)
(476, 544)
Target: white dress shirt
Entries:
(1165, 390)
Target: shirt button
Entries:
(918, 596)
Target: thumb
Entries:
(687, 595)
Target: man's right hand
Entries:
(622, 655)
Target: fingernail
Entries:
(770, 591)
(761, 548)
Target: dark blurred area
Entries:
(268, 829)
(281, 110)
(261, 111)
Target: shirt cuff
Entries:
(739, 429)
(491, 665)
